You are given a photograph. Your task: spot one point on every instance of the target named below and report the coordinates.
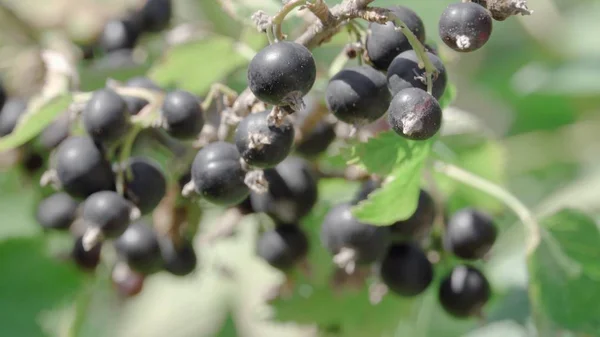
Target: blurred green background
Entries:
(534, 88)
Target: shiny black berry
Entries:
(465, 26)
(404, 72)
(86, 259)
(464, 292)
(138, 246)
(57, 211)
(358, 95)
(107, 211)
(292, 191)
(56, 132)
(414, 114)
(317, 140)
(420, 223)
(405, 270)
(262, 144)
(11, 113)
(118, 35)
(341, 230)
(218, 176)
(178, 259)
(156, 15)
(105, 116)
(384, 42)
(145, 183)
(283, 246)
(470, 234)
(135, 104)
(81, 167)
(183, 115)
(282, 73)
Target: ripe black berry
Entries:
(86, 259)
(406, 270)
(415, 114)
(2, 95)
(464, 292)
(283, 246)
(420, 222)
(282, 73)
(57, 211)
(404, 72)
(105, 116)
(145, 183)
(182, 114)
(117, 35)
(317, 140)
(138, 246)
(384, 42)
(262, 144)
(218, 176)
(135, 104)
(178, 260)
(107, 211)
(127, 282)
(81, 167)
(156, 15)
(365, 190)
(292, 191)
(56, 132)
(465, 26)
(358, 95)
(341, 230)
(10, 114)
(470, 234)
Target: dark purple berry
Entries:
(420, 223)
(178, 259)
(56, 132)
(58, 211)
(470, 234)
(414, 114)
(138, 246)
(105, 116)
(282, 73)
(136, 104)
(358, 95)
(464, 292)
(465, 26)
(86, 259)
(283, 246)
(183, 115)
(156, 15)
(127, 282)
(262, 144)
(384, 42)
(405, 270)
(108, 211)
(145, 183)
(12, 111)
(118, 35)
(317, 140)
(404, 72)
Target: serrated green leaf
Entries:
(565, 272)
(195, 67)
(398, 196)
(33, 122)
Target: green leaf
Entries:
(565, 272)
(449, 95)
(195, 67)
(32, 283)
(397, 198)
(34, 122)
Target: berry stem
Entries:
(277, 20)
(524, 214)
(215, 90)
(124, 155)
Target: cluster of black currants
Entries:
(120, 35)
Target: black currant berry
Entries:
(107, 211)
(118, 35)
(358, 95)
(56, 132)
(292, 191)
(465, 26)
(464, 292)
(32, 161)
(3, 95)
(341, 230)
(283, 246)
(384, 42)
(105, 116)
(86, 259)
(57, 211)
(470, 234)
(405, 270)
(420, 222)
(11, 113)
(156, 15)
(138, 246)
(183, 115)
(404, 72)
(317, 140)
(218, 176)
(81, 167)
(145, 183)
(136, 104)
(365, 190)
(414, 114)
(127, 282)
(178, 260)
(282, 73)
(262, 144)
